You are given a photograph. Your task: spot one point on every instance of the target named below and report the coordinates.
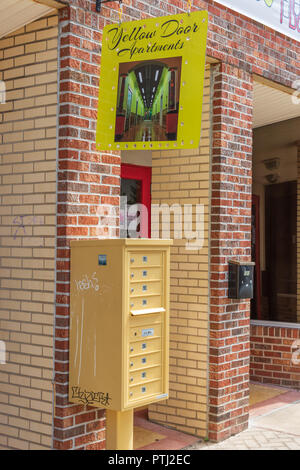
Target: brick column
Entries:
(232, 101)
(87, 193)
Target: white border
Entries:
(260, 12)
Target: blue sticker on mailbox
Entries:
(102, 260)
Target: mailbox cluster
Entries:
(119, 322)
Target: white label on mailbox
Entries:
(164, 395)
(148, 332)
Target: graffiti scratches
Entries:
(89, 397)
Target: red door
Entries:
(136, 186)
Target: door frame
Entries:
(128, 109)
(143, 174)
(257, 293)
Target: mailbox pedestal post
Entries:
(119, 430)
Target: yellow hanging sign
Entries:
(151, 83)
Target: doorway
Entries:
(276, 298)
(281, 251)
(136, 188)
(128, 110)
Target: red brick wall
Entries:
(275, 355)
(230, 239)
(253, 47)
(87, 196)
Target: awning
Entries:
(273, 105)
(14, 14)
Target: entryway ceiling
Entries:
(14, 14)
(271, 105)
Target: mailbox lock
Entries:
(132, 260)
(131, 380)
(143, 389)
(132, 275)
(131, 364)
(144, 345)
(144, 360)
(131, 349)
(132, 289)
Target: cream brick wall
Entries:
(183, 178)
(28, 66)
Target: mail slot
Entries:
(119, 322)
(240, 280)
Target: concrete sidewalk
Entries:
(274, 423)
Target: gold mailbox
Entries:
(119, 322)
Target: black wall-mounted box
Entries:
(240, 280)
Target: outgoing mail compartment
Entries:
(144, 390)
(145, 374)
(144, 288)
(144, 360)
(148, 345)
(145, 259)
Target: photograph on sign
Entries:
(148, 101)
(151, 83)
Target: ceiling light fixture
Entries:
(272, 178)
